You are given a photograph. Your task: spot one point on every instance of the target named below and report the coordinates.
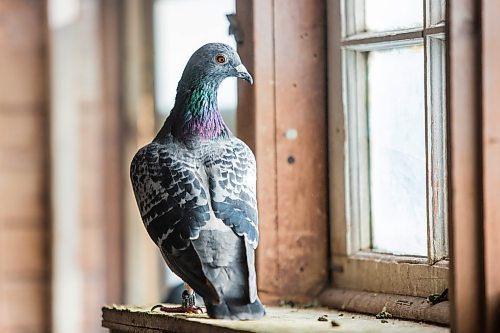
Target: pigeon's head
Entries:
(212, 63)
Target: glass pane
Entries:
(386, 15)
(180, 28)
(396, 122)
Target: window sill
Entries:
(120, 319)
(405, 307)
(389, 274)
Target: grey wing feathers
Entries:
(172, 201)
(187, 265)
(224, 260)
(232, 182)
(171, 191)
(173, 206)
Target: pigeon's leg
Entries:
(188, 303)
(189, 300)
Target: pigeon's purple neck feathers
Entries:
(196, 113)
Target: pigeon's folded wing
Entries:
(232, 182)
(174, 207)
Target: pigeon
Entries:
(195, 186)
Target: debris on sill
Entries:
(285, 303)
(313, 304)
(323, 318)
(383, 314)
(334, 323)
(438, 298)
(404, 302)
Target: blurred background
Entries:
(83, 84)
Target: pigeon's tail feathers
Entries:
(234, 310)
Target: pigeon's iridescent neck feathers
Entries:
(196, 114)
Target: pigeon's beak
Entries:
(242, 73)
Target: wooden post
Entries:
(141, 255)
(300, 55)
(113, 136)
(283, 118)
(24, 223)
(464, 81)
(491, 159)
(257, 126)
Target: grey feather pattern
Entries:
(201, 196)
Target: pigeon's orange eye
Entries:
(220, 59)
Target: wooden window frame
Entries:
(354, 268)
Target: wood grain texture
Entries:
(21, 149)
(405, 307)
(284, 48)
(381, 275)
(91, 161)
(114, 187)
(25, 86)
(24, 236)
(301, 162)
(22, 297)
(23, 253)
(257, 127)
(79, 163)
(463, 91)
(337, 135)
(140, 254)
(278, 320)
(22, 53)
(24, 197)
(491, 159)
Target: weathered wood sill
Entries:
(278, 319)
(403, 307)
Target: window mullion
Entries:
(428, 139)
(363, 152)
(349, 66)
(437, 240)
(437, 180)
(358, 165)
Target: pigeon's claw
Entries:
(180, 309)
(169, 309)
(195, 310)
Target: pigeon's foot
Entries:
(188, 304)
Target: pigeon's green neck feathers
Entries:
(199, 101)
(196, 114)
